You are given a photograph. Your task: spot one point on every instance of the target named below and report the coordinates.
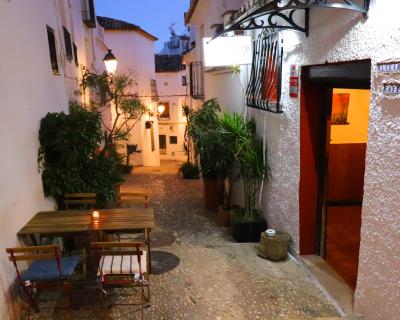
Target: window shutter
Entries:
(52, 49)
(68, 44)
(76, 54)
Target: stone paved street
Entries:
(216, 278)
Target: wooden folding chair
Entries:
(48, 270)
(123, 264)
(132, 199)
(79, 200)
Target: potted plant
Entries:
(189, 170)
(130, 149)
(214, 161)
(247, 148)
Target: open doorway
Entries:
(334, 124)
(348, 131)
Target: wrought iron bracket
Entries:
(285, 14)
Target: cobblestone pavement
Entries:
(216, 278)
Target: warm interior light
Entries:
(96, 215)
(111, 62)
(161, 109)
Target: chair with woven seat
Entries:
(123, 264)
(48, 270)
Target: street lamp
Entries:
(111, 62)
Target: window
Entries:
(184, 81)
(264, 89)
(52, 49)
(163, 143)
(89, 16)
(68, 44)
(154, 90)
(197, 80)
(173, 140)
(165, 114)
(75, 54)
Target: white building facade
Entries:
(173, 96)
(49, 45)
(134, 50)
(357, 48)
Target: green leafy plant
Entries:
(113, 96)
(69, 156)
(204, 131)
(240, 139)
(189, 170)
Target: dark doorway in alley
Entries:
(334, 126)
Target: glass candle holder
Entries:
(95, 216)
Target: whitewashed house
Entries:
(134, 49)
(333, 135)
(44, 44)
(173, 95)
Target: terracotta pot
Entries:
(223, 217)
(213, 190)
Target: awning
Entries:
(288, 14)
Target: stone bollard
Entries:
(274, 247)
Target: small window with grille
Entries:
(264, 89)
(173, 140)
(52, 49)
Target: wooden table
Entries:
(69, 222)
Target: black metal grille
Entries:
(264, 89)
(197, 80)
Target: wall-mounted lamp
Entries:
(160, 109)
(111, 62)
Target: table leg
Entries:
(147, 239)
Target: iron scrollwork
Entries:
(264, 89)
(281, 14)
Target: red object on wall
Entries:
(294, 82)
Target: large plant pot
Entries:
(223, 217)
(248, 231)
(213, 190)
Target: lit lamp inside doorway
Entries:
(160, 109)
(111, 62)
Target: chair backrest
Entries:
(140, 199)
(85, 199)
(34, 253)
(118, 249)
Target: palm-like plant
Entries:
(208, 141)
(240, 139)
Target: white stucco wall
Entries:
(170, 90)
(337, 35)
(28, 90)
(135, 54)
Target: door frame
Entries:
(316, 103)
